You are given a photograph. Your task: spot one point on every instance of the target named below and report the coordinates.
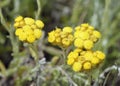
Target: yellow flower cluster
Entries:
(85, 36)
(83, 58)
(61, 37)
(28, 29)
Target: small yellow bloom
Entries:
(63, 34)
(93, 38)
(19, 18)
(17, 24)
(19, 32)
(84, 35)
(57, 34)
(73, 55)
(77, 28)
(82, 52)
(39, 24)
(51, 39)
(67, 29)
(76, 34)
(83, 29)
(70, 37)
(77, 67)
(85, 25)
(26, 28)
(91, 27)
(97, 34)
(95, 60)
(29, 21)
(22, 23)
(65, 42)
(37, 33)
(58, 39)
(22, 36)
(78, 50)
(78, 43)
(58, 30)
(88, 55)
(70, 61)
(29, 31)
(87, 66)
(88, 44)
(33, 26)
(100, 55)
(31, 38)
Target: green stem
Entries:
(106, 78)
(34, 52)
(39, 9)
(14, 41)
(64, 54)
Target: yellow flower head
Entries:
(100, 55)
(37, 33)
(18, 32)
(84, 35)
(73, 55)
(70, 61)
(76, 34)
(65, 42)
(28, 29)
(97, 34)
(86, 25)
(78, 43)
(87, 66)
(30, 38)
(39, 24)
(88, 44)
(17, 24)
(78, 50)
(95, 60)
(18, 19)
(88, 55)
(77, 67)
(61, 38)
(29, 21)
(67, 29)
(22, 36)
(77, 28)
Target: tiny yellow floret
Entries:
(87, 66)
(84, 35)
(95, 60)
(88, 44)
(18, 32)
(77, 67)
(19, 18)
(100, 55)
(31, 38)
(78, 43)
(67, 29)
(70, 61)
(39, 24)
(29, 21)
(22, 36)
(37, 33)
(97, 34)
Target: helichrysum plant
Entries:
(82, 58)
(28, 29)
(61, 37)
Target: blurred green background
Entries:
(104, 15)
